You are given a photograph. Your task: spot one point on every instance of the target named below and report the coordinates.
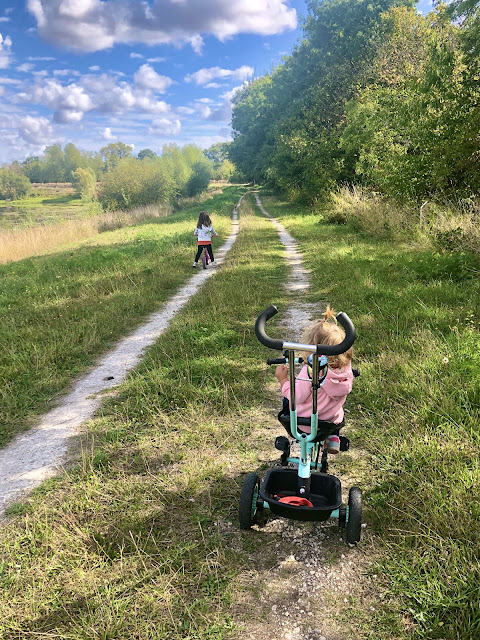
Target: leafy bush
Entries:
(85, 183)
(199, 179)
(133, 183)
(12, 185)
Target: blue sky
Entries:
(144, 73)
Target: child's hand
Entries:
(281, 373)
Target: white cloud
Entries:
(36, 131)
(100, 93)
(4, 19)
(95, 67)
(205, 76)
(93, 25)
(156, 59)
(136, 55)
(25, 67)
(185, 110)
(147, 78)
(10, 81)
(40, 58)
(213, 85)
(5, 53)
(66, 72)
(107, 134)
(164, 127)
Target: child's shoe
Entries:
(332, 444)
(194, 264)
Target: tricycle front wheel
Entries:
(354, 522)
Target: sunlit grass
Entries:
(416, 314)
(137, 540)
(62, 310)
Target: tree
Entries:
(73, 159)
(54, 164)
(147, 154)
(33, 168)
(217, 153)
(12, 185)
(113, 153)
(132, 184)
(85, 183)
(199, 179)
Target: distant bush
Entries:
(134, 183)
(85, 183)
(13, 185)
(199, 180)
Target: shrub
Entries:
(135, 183)
(13, 185)
(199, 179)
(85, 183)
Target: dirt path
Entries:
(304, 596)
(40, 453)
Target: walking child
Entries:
(335, 387)
(204, 231)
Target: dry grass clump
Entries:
(457, 231)
(17, 244)
(449, 227)
(371, 213)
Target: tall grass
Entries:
(19, 243)
(448, 226)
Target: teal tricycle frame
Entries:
(321, 492)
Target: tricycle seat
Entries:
(324, 428)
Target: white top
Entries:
(205, 233)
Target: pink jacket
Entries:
(331, 395)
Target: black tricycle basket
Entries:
(325, 494)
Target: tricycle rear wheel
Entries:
(248, 508)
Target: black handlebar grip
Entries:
(335, 349)
(271, 343)
(277, 361)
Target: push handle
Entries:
(335, 349)
(322, 349)
(271, 343)
(277, 361)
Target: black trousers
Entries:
(201, 247)
(286, 409)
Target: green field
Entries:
(62, 310)
(139, 538)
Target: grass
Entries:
(45, 209)
(416, 314)
(60, 311)
(137, 540)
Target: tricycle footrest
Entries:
(325, 494)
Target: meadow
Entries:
(138, 539)
(61, 310)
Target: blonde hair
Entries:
(328, 331)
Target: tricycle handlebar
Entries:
(320, 349)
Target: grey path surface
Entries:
(299, 313)
(40, 453)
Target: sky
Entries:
(146, 73)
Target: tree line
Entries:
(374, 94)
(120, 179)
